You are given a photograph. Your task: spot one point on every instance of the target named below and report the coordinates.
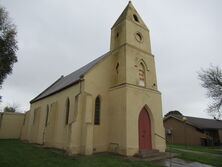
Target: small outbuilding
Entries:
(188, 130)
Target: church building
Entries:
(112, 104)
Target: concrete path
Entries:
(198, 152)
(219, 148)
(176, 162)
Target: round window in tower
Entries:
(139, 37)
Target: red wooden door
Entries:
(144, 130)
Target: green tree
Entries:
(8, 45)
(211, 79)
(9, 109)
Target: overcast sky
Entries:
(56, 37)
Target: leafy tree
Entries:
(9, 109)
(8, 45)
(211, 79)
(175, 112)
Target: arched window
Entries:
(35, 116)
(97, 111)
(47, 115)
(136, 18)
(67, 110)
(117, 68)
(142, 75)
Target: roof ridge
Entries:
(202, 123)
(204, 118)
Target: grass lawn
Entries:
(203, 158)
(14, 153)
(196, 148)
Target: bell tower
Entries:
(130, 29)
(130, 42)
(135, 102)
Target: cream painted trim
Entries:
(133, 86)
(143, 27)
(143, 62)
(127, 44)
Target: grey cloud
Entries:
(57, 37)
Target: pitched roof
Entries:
(201, 123)
(204, 123)
(69, 80)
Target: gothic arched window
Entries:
(97, 111)
(67, 110)
(47, 115)
(142, 75)
(136, 18)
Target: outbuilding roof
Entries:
(69, 80)
(204, 123)
(201, 123)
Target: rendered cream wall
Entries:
(151, 100)
(110, 134)
(98, 81)
(133, 58)
(11, 125)
(117, 134)
(26, 127)
(56, 132)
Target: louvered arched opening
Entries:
(142, 75)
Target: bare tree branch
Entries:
(211, 79)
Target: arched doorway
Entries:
(144, 130)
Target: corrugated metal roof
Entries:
(68, 80)
(201, 123)
(204, 123)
